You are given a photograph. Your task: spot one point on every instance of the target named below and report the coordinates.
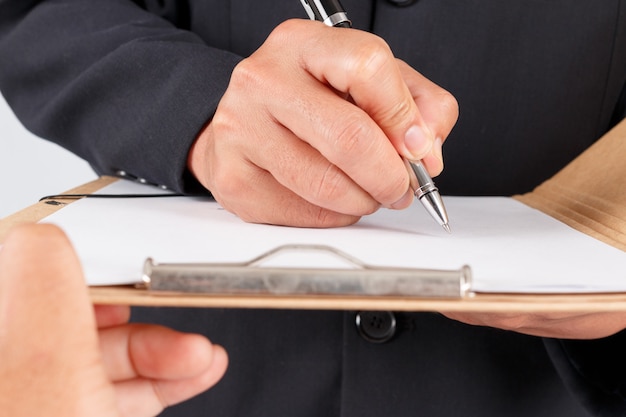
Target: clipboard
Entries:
(600, 212)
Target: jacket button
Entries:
(402, 3)
(376, 326)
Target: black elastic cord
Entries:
(78, 196)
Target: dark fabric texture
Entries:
(597, 380)
(128, 85)
(309, 364)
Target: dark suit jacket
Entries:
(129, 84)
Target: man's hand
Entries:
(56, 362)
(555, 325)
(312, 126)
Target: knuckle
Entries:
(350, 137)
(370, 59)
(330, 186)
(400, 114)
(284, 30)
(286, 33)
(224, 121)
(449, 105)
(245, 74)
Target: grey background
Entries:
(31, 167)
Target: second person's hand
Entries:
(312, 126)
(59, 358)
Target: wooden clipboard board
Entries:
(589, 195)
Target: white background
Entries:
(31, 167)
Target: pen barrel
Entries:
(425, 190)
(421, 183)
(331, 12)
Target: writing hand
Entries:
(310, 129)
(55, 362)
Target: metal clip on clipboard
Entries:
(358, 279)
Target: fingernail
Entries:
(434, 161)
(417, 142)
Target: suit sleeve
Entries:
(119, 86)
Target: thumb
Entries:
(48, 340)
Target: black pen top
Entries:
(331, 12)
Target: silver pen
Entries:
(332, 13)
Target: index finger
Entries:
(362, 65)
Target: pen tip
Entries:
(446, 227)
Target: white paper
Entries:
(509, 246)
